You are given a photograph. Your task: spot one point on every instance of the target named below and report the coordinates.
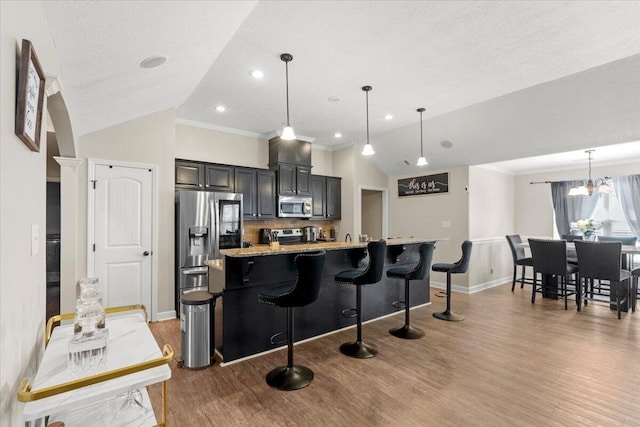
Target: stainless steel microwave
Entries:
(294, 207)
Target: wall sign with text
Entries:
(428, 184)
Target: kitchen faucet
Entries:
(349, 236)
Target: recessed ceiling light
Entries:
(220, 109)
(388, 117)
(153, 61)
(337, 135)
(257, 74)
(446, 144)
(334, 98)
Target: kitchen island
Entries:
(249, 324)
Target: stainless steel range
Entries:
(288, 236)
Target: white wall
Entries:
(534, 208)
(206, 145)
(423, 217)
(22, 204)
(150, 140)
(491, 217)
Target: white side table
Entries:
(134, 361)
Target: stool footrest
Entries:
(349, 312)
(399, 304)
(273, 341)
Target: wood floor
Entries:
(508, 363)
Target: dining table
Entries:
(550, 284)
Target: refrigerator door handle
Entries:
(196, 271)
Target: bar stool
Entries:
(303, 292)
(460, 266)
(372, 274)
(419, 272)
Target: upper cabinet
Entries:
(294, 180)
(326, 192)
(219, 178)
(189, 175)
(334, 198)
(258, 189)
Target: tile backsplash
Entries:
(252, 228)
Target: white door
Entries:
(122, 231)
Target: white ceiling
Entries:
(500, 80)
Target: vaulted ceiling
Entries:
(498, 80)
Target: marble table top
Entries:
(130, 342)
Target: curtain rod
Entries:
(551, 182)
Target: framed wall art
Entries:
(428, 184)
(30, 97)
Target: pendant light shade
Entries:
(421, 160)
(367, 150)
(287, 132)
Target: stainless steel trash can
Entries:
(196, 330)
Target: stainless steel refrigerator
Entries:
(206, 222)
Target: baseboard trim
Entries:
(473, 289)
(242, 359)
(166, 315)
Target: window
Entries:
(609, 213)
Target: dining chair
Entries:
(519, 259)
(550, 260)
(625, 240)
(572, 258)
(603, 261)
(634, 293)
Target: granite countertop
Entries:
(262, 250)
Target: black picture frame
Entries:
(421, 185)
(29, 97)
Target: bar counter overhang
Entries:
(248, 325)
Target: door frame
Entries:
(385, 209)
(91, 176)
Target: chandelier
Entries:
(587, 189)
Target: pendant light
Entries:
(421, 161)
(367, 150)
(287, 132)
(587, 190)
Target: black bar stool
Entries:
(303, 292)
(372, 274)
(419, 272)
(519, 258)
(460, 266)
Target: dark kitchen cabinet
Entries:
(258, 189)
(219, 178)
(319, 194)
(266, 194)
(294, 180)
(189, 175)
(326, 193)
(334, 198)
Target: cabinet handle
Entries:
(199, 185)
(259, 215)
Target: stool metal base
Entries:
(407, 332)
(359, 350)
(290, 378)
(449, 315)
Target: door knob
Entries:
(145, 253)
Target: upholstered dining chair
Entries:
(602, 261)
(550, 260)
(519, 259)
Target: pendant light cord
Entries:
(286, 68)
(421, 155)
(367, 93)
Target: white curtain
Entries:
(628, 192)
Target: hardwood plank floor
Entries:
(508, 363)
